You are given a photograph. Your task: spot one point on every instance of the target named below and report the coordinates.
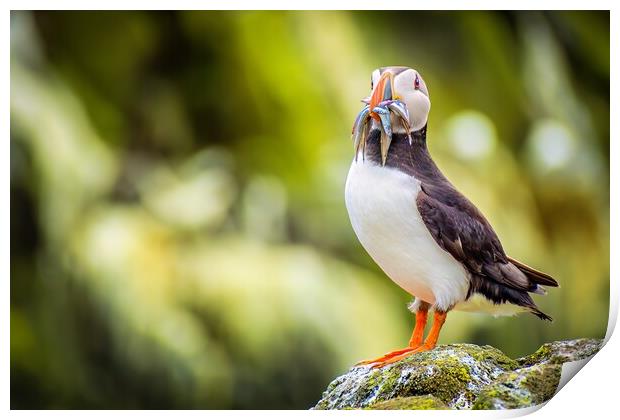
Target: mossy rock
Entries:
(522, 388)
(559, 352)
(423, 402)
(458, 376)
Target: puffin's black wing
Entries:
(461, 229)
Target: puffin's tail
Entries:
(535, 276)
(538, 278)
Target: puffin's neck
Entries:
(412, 159)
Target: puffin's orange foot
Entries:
(400, 356)
(386, 356)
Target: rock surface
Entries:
(458, 376)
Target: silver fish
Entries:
(359, 129)
(400, 109)
(386, 132)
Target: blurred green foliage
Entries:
(178, 230)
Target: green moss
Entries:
(544, 353)
(543, 383)
(501, 397)
(504, 393)
(420, 402)
(491, 354)
(369, 387)
(331, 387)
(443, 377)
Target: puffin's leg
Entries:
(420, 323)
(429, 343)
(433, 335)
(416, 337)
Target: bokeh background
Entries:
(178, 231)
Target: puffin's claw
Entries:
(393, 356)
(386, 356)
(399, 357)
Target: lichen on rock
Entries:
(458, 376)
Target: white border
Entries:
(592, 393)
(312, 5)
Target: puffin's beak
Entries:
(382, 92)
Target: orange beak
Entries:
(382, 92)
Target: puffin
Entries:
(424, 234)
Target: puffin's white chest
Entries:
(382, 207)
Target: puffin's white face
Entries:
(408, 86)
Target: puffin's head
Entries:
(398, 102)
(404, 84)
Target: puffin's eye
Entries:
(371, 84)
(416, 83)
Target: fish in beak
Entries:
(382, 103)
